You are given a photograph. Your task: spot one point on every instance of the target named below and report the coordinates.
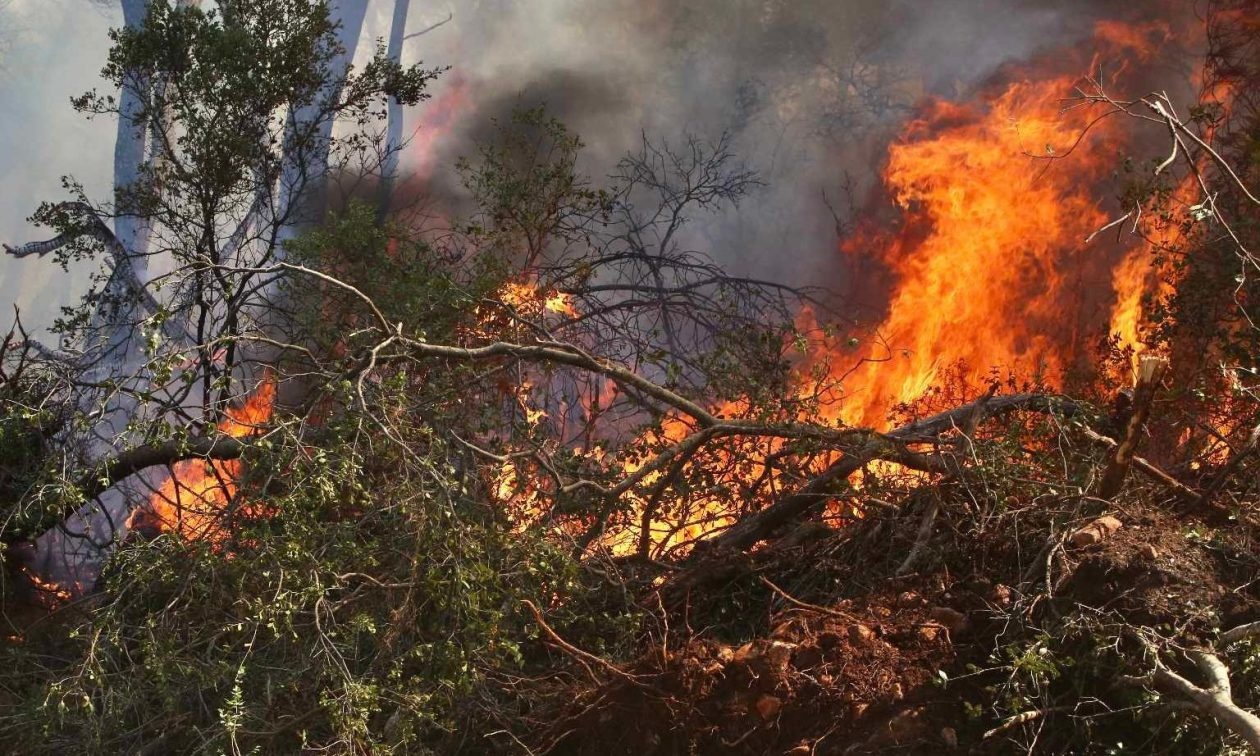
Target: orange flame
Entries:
(195, 498)
(983, 261)
(1136, 276)
(531, 300)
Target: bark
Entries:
(129, 151)
(72, 553)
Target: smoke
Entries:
(52, 50)
(811, 90)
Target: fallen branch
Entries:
(118, 468)
(1024, 718)
(1215, 700)
(1242, 632)
(756, 527)
(584, 657)
(804, 604)
(921, 539)
(133, 461)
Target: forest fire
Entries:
(723, 376)
(997, 265)
(195, 499)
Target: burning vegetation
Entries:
(545, 479)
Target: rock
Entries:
(860, 635)
(949, 737)
(1149, 552)
(909, 599)
(768, 707)
(951, 619)
(1001, 595)
(1095, 532)
(779, 655)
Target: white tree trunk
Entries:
(73, 553)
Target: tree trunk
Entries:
(394, 125)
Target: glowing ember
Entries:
(46, 592)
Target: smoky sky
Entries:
(811, 91)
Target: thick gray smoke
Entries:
(810, 89)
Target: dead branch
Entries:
(1023, 718)
(1215, 700)
(921, 538)
(431, 27)
(118, 468)
(128, 463)
(803, 604)
(1143, 465)
(757, 527)
(583, 656)
(1237, 634)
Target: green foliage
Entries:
(526, 184)
(358, 615)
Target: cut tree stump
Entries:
(1151, 369)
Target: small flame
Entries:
(47, 593)
(531, 300)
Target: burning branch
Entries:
(890, 446)
(128, 463)
(1150, 370)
